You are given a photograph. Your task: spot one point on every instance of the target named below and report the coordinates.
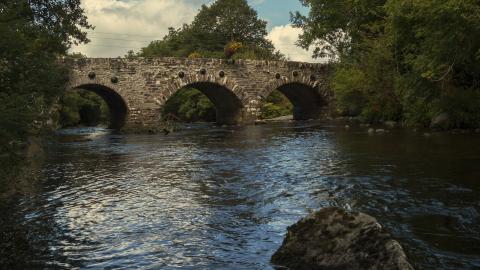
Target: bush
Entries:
(276, 105)
(463, 106)
(83, 108)
(190, 105)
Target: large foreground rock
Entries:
(335, 239)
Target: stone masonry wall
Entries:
(145, 84)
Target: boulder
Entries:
(333, 238)
(442, 121)
(390, 124)
(260, 122)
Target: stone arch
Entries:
(225, 94)
(117, 106)
(303, 92)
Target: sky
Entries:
(122, 25)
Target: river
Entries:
(221, 198)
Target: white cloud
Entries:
(284, 38)
(256, 2)
(124, 25)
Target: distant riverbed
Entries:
(221, 198)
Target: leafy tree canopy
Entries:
(337, 27)
(34, 34)
(212, 29)
(400, 59)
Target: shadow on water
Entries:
(216, 198)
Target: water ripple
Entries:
(221, 198)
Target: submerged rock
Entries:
(333, 238)
(390, 124)
(280, 118)
(441, 122)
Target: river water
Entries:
(221, 198)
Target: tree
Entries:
(213, 27)
(437, 45)
(34, 34)
(399, 59)
(338, 28)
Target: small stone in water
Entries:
(391, 124)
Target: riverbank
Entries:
(383, 127)
(380, 127)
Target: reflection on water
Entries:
(220, 198)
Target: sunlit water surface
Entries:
(222, 198)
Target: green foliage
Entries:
(338, 27)
(33, 34)
(463, 107)
(77, 55)
(83, 108)
(399, 59)
(190, 105)
(438, 38)
(215, 26)
(366, 85)
(276, 105)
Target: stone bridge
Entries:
(136, 89)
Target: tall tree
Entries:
(34, 34)
(338, 27)
(214, 27)
(401, 59)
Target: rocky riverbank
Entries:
(439, 124)
(333, 238)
